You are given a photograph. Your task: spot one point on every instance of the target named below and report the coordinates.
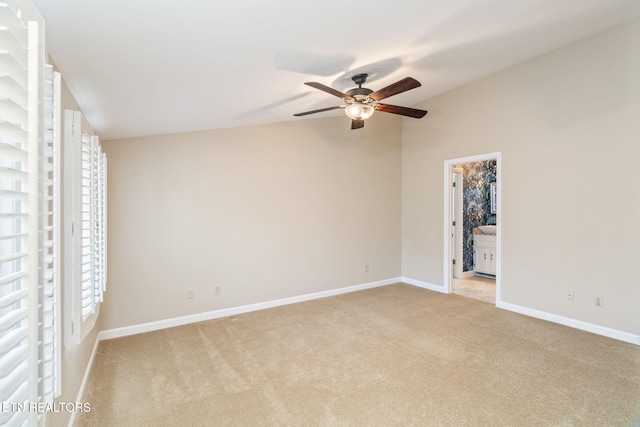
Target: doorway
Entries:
(460, 267)
(457, 222)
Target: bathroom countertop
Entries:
(476, 230)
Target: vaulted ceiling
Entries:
(143, 67)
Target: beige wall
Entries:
(267, 212)
(567, 126)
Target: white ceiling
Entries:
(146, 67)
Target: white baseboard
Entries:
(430, 286)
(573, 323)
(85, 378)
(567, 321)
(216, 314)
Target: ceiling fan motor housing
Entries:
(359, 94)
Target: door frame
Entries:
(456, 215)
(448, 183)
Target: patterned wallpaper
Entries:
(476, 203)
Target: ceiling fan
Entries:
(360, 102)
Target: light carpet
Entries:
(396, 355)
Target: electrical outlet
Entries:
(597, 301)
(190, 293)
(569, 294)
(217, 290)
(366, 268)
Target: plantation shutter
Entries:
(98, 159)
(28, 223)
(86, 248)
(17, 337)
(93, 231)
(51, 213)
(29, 231)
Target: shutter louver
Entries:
(14, 187)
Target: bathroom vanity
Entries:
(485, 252)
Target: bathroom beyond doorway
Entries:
(476, 287)
(463, 215)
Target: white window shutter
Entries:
(15, 343)
(29, 218)
(28, 248)
(51, 236)
(98, 212)
(87, 235)
(57, 232)
(72, 225)
(85, 246)
(103, 196)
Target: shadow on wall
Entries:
(476, 203)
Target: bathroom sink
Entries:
(488, 229)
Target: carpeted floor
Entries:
(396, 355)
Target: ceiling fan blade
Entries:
(327, 89)
(337, 107)
(357, 124)
(403, 85)
(403, 111)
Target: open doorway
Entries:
(472, 226)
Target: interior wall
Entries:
(567, 126)
(266, 212)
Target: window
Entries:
(29, 217)
(85, 245)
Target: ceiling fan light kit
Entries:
(361, 102)
(358, 111)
